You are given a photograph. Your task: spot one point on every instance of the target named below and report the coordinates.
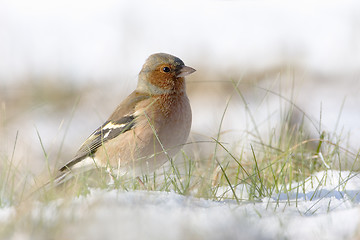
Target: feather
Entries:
(108, 131)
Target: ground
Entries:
(329, 209)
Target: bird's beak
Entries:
(184, 71)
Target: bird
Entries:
(146, 129)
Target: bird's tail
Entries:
(62, 176)
(43, 186)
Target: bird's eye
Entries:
(166, 69)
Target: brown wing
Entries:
(120, 121)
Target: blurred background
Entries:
(65, 65)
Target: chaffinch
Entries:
(146, 129)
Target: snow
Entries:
(107, 42)
(328, 209)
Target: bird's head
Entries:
(163, 73)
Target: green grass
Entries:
(265, 166)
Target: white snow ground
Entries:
(328, 209)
